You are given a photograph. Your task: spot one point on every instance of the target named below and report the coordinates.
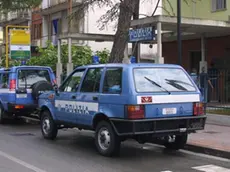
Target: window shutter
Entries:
(213, 5)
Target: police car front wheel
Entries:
(2, 115)
(106, 140)
(48, 126)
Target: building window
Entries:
(218, 5)
(36, 31)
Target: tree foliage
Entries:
(14, 5)
(81, 55)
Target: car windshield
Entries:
(170, 79)
(26, 78)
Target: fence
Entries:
(217, 88)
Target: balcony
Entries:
(16, 17)
(54, 6)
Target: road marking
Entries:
(194, 153)
(205, 156)
(166, 171)
(211, 168)
(18, 161)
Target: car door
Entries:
(89, 95)
(66, 102)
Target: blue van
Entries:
(20, 87)
(145, 102)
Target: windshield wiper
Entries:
(154, 83)
(178, 86)
(177, 81)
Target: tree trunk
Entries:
(121, 37)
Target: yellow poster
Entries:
(20, 37)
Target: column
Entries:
(59, 64)
(69, 64)
(159, 59)
(203, 62)
(126, 55)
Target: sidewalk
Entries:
(214, 140)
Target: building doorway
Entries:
(195, 58)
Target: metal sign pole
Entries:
(179, 31)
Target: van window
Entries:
(26, 78)
(162, 79)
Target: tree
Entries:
(14, 5)
(122, 11)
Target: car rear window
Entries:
(26, 78)
(4, 79)
(162, 80)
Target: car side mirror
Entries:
(56, 90)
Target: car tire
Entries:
(106, 140)
(179, 143)
(2, 115)
(48, 127)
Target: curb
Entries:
(215, 119)
(208, 151)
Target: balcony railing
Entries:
(51, 3)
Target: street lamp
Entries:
(179, 32)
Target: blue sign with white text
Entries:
(142, 34)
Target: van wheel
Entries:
(179, 143)
(2, 115)
(48, 126)
(106, 140)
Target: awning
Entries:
(192, 28)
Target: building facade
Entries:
(216, 48)
(54, 15)
(20, 17)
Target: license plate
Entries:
(21, 95)
(169, 111)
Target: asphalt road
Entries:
(23, 149)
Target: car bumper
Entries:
(26, 109)
(161, 126)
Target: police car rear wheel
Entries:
(179, 143)
(48, 126)
(106, 140)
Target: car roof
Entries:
(16, 67)
(131, 65)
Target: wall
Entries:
(200, 9)
(216, 49)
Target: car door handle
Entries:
(95, 98)
(73, 97)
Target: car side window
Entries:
(113, 81)
(92, 79)
(4, 80)
(73, 82)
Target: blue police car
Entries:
(20, 87)
(145, 102)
